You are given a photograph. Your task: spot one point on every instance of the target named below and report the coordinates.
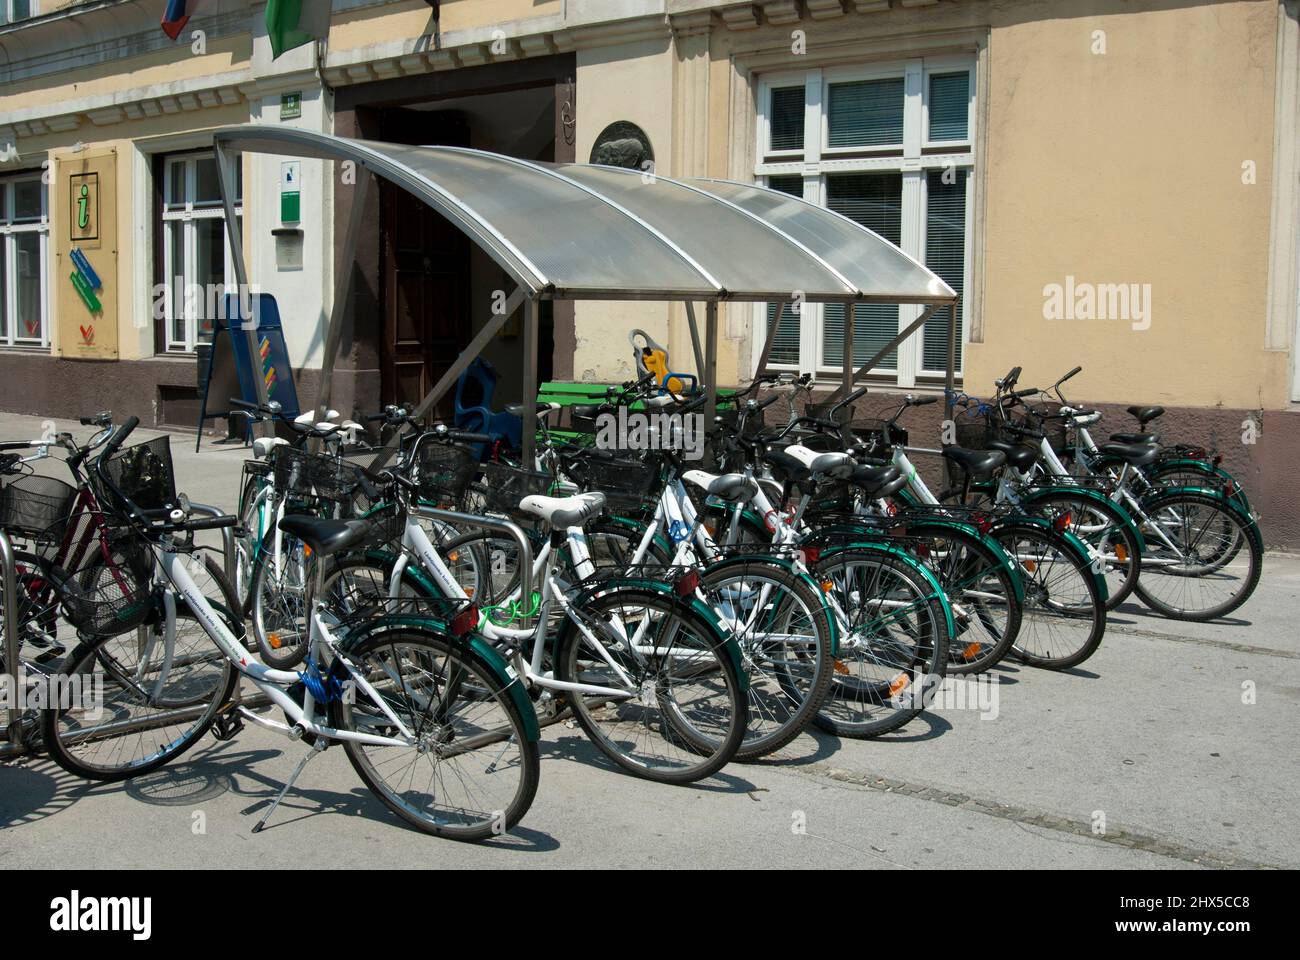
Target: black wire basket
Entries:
(444, 473)
(110, 592)
(144, 473)
(627, 483)
(37, 508)
(505, 486)
(303, 475)
(878, 436)
(1046, 418)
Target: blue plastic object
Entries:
(473, 402)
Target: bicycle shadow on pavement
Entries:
(35, 790)
(574, 745)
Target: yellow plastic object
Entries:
(652, 358)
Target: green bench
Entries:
(565, 395)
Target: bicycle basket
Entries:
(975, 432)
(1046, 417)
(36, 507)
(628, 485)
(144, 473)
(302, 474)
(445, 472)
(755, 420)
(504, 487)
(110, 593)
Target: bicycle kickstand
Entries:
(317, 748)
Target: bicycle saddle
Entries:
(878, 480)
(786, 467)
(263, 446)
(1144, 414)
(562, 512)
(1134, 454)
(326, 536)
(1018, 455)
(543, 409)
(587, 410)
(978, 463)
(732, 487)
(1135, 438)
(828, 463)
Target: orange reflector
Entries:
(899, 683)
(453, 556)
(827, 586)
(469, 592)
(306, 550)
(972, 651)
(841, 668)
(1031, 565)
(1121, 553)
(274, 640)
(1062, 522)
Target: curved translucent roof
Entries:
(578, 231)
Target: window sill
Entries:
(26, 349)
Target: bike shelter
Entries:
(576, 231)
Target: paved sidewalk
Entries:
(1151, 734)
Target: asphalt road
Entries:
(1173, 747)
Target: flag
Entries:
(291, 23)
(176, 16)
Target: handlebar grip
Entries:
(1012, 376)
(1028, 392)
(767, 403)
(244, 405)
(376, 417)
(465, 437)
(119, 437)
(211, 523)
(924, 401)
(1071, 374)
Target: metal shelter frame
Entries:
(631, 236)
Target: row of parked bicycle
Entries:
(431, 609)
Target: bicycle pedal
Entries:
(227, 726)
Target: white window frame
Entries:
(9, 251)
(914, 158)
(7, 11)
(185, 218)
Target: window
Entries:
(24, 261)
(890, 147)
(197, 266)
(11, 11)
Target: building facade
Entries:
(1110, 184)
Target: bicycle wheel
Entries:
(43, 635)
(143, 710)
(893, 640)
(472, 772)
(1203, 557)
(982, 590)
(786, 640)
(679, 710)
(277, 602)
(1103, 530)
(1064, 615)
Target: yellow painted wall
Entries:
(1127, 167)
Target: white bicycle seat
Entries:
(263, 446)
(561, 512)
(735, 487)
(828, 463)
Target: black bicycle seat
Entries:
(1135, 438)
(326, 536)
(1018, 455)
(978, 463)
(1134, 454)
(1145, 414)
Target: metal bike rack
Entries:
(227, 540)
(513, 530)
(13, 675)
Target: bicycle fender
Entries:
(908, 560)
(789, 565)
(1042, 493)
(501, 671)
(1154, 500)
(1004, 558)
(666, 589)
(1073, 542)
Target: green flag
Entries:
(291, 23)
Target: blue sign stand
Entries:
(231, 370)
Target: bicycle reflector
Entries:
(464, 622)
(982, 522)
(1062, 522)
(811, 555)
(1217, 459)
(687, 583)
(1230, 488)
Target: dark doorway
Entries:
(425, 266)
